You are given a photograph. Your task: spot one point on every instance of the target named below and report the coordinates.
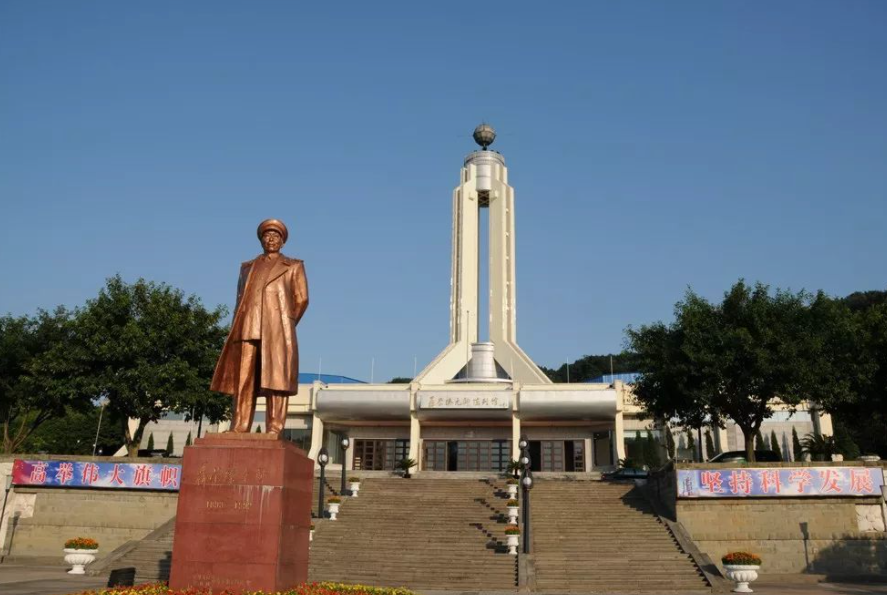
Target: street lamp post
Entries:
(5, 498)
(524, 460)
(527, 484)
(344, 443)
(522, 444)
(103, 402)
(322, 459)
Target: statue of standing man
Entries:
(261, 354)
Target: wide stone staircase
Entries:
(445, 534)
(594, 536)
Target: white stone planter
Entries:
(512, 542)
(333, 509)
(512, 514)
(742, 575)
(311, 535)
(354, 486)
(512, 491)
(78, 559)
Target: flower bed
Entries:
(306, 589)
(741, 559)
(82, 543)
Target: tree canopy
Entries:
(589, 367)
(735, 359)
(857, 397)
(148, 349)
(39, 365)
(144, 347)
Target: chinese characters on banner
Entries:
(786, 482)
(77, 474)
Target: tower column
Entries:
(483, 184)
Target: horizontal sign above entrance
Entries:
(466, 400)
(83, 474)
(785, 482)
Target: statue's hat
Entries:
(275, 224)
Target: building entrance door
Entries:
(466, 455)
(557, 455)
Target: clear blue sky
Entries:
(652, 146)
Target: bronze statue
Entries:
(261, 353)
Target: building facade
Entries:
(468, 408)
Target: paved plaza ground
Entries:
(25, 579)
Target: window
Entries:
(301, 438)
(378, 455)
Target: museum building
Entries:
(468, 408)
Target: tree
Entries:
(797, 448)
(188, 440)
(759, 441)
(855, 391)
(592, 366)
(669, 443)
(74, 434)
(638, 456)
(37, 363)
(844, 442)
(170, 447)
(819, 447)
(150, 442)
(774, 445)
(259, 429)
(148, 349)
(691, 443)
(709, 444)
(734, 359)
(400, 380)
(651, 451)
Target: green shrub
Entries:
(774, 445)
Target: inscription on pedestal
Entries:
(241, 526)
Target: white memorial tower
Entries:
(483, 185)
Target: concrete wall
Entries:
(38, 521)
(112, 517)
(772, 527)
(842, 536)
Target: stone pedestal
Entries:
(244, 514)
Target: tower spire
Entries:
(483, 184)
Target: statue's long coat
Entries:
(284, 301)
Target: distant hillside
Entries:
(592, 366)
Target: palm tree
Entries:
(819, 447)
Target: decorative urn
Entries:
(332, 507)
(354, 486)
(512, 534)
(79, 553)
(741, 568)
(513, 508)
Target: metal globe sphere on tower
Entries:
(484, 135)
